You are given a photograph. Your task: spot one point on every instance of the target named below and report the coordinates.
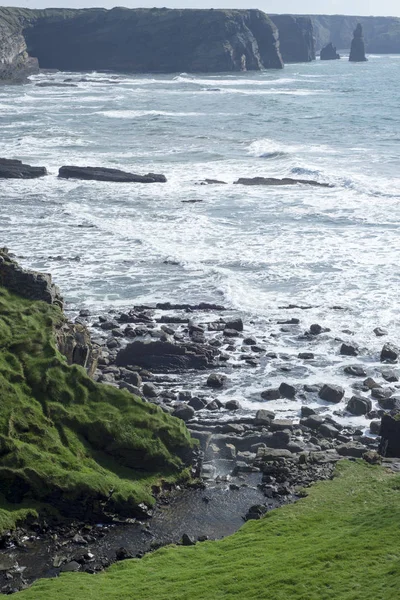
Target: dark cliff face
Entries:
(382, 34)
(149, 40)
(357, 51)
(296, 38)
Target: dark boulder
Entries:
(216, 380)
(105, 174)
(349, 349)
(328, 52)
(16, 169)
(271, 394)
(357, 51)
(232, 405)
(331, 393)
(390, 437)
(275, 181)
(184, 412)
(390, 353)
(359, 406)
(287, 391)
(197, 403)
(392, 403)
(355, 371)
(236, 324)
(160, 356)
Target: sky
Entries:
(329, 7)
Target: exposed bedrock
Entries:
(15, 169)
(148, 40)
(296, 38)
(105, 174)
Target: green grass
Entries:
(85, 448)
(342, 542)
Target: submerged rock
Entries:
(106, 174)
(357, 52)
(275, 181)
(328, 52)
(16, 169)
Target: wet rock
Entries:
(381, 393)
(375, 427)
(390, 353)
(106, 174)
(312, 422)
(370, 383)
(306, 355)
(216, 380)
(150, 390)
(282, 425)
(316, 329)
(278, 182)
(306, 411)
(348, 349)
(331, 393)
(15, 169)
(184, 412)
(236, 324)
(287, 391)
(328, 431)
(271, 394)
(161, 356)
(70, 567)
(249, 341)
(231, 333)
(232, 405)
(197, 403)
(380, 332)
(390, 376)
(264, 417)
(359, 406)
(352, 449)
(256, 512)
(355, 371)
(213, 405)
(392, 403)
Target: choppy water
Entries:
(253, 249)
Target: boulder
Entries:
(390, 437)
(197, 403)
(392, 403)
(355, 371)
(106, 174)
(331, 393)
(150, 390)
(359, 406)
(271, 394)
(312, 421)
(161, 356)
(16, 169)
(349, 349)
(328, 431)
(329, 52)
(389, 353)
(380, 331)
(357, 51)
(184, 412)
(264, 417)
(216, 380)
(375, 427)
(232, 405)
(274, 181)
(287, 391)
(236, 324)
(390, 375)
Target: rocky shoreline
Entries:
(180, 357)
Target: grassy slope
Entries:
(66, 439)
(342, 542)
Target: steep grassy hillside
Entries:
(342, 542)
(84, 448)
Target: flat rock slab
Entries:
(275, 181)
(105, 174)
(15, 169)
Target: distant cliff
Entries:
(381, 34)
(296, 38)
(140, 40)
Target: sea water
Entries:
(253, 249)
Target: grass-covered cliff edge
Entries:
(66, 442)
(339, 543)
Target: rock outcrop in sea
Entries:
(296, 38)
(329, 52)
(357, 51)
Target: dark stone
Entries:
(331, 393)
(123, 554)
(315, 329)
(150, 390)
(306, 411)
(106, 174)
(264, 417)
(349, 350)
(380, 332)
(15, 169)
(232, 405)
(390, 353)
(184, 412)
(328, 431)
(390, 376)
(274, 181)
(359, 406)
(287, 391)
(329, 52)
(282, 425)
(381, 393)
(197, 403)
(213, 405)
(160, 356)
(392, 403)
(355, 371)
(216, 380)
(375, 427)
(390, 437)
(351, 449)
(306, 355)
(357, 51)
(249, 341)
(187, 540)
(272, 394)
(70, 567)
(312, 422)
(231, 333)
(234, 324)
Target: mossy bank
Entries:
(82, 449)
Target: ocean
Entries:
(334, 252)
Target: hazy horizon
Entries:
(349, 7)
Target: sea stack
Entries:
(357, 52)
(328, 52)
